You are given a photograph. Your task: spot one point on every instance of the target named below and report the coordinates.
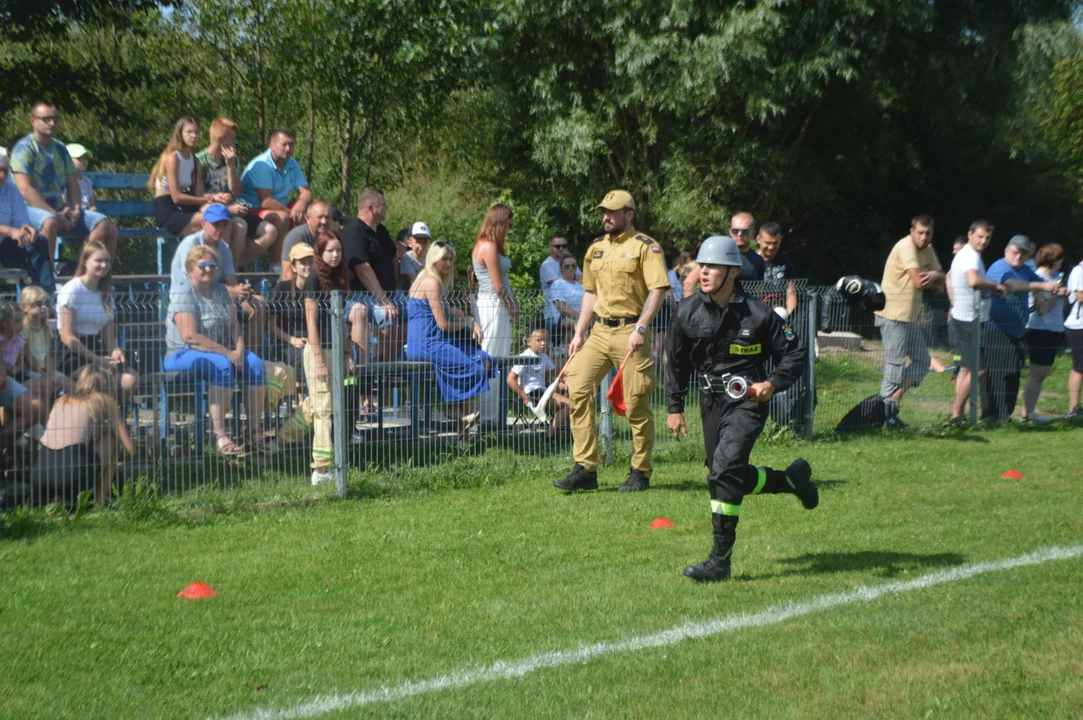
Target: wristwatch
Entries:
(641, 330)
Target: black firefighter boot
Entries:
(799, 478)
(578, 479)
(717, 565)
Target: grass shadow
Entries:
(884, 564)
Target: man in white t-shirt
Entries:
(967, 281)
(1073, 331)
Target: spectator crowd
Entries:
(400, 304)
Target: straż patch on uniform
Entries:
(736, 349)
(597, 254)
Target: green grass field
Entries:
(337, 597)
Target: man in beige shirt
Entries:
(911, 268)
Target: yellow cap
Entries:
(301, 250)
(617, 200)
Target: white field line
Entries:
(772, 615)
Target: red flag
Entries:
(615, 396)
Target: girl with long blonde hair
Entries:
(177, 182)
(434, 335)
(79, 449)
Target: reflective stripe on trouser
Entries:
(603, 350)
(730, 430)
(720, 508)
(280, 379)
(319, 393)
(298, 426)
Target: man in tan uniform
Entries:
(624, 276)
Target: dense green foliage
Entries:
(840, 120)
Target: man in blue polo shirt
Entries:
(1002, 340)
(269, 180)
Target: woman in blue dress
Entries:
(434, 335)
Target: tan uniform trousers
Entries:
(603, 350)
(313, 414)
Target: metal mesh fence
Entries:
(408, 391)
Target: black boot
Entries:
(578, 479)
(717, 565)
(799, 478)
(636, 481)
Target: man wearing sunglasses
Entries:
(753, 268)
(549, 273)
(216, 224)
(624, 281)
(44, 172)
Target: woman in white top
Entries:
(177, 182)
(85, 310)
(497, 309)
(1073, 331)
(1045, 330)
(567, 295)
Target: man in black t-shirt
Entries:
(778, 270)
(374, 277)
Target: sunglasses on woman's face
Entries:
(207, 266)
(569, 267)
(41, 304)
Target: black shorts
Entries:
(253, 220)
(1075, 342)
(63, 474)
(963, 341)
(170, 216)
(1043, 346)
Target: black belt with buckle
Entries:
(616, 322)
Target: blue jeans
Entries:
(215, 368)
(36, 255)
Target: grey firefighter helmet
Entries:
(719, 250)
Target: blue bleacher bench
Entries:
(119, 209)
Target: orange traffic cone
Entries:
(197, 591)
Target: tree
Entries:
(840, 119)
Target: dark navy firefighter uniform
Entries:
(740, 338)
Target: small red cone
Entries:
(662, 523)
(1012, 475)
(197, 591)
(615, 396)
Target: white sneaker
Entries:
(1039, 419)
(319, 476)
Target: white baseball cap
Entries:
(420, 229)
(5, 160)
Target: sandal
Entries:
(469, 421)
(227, 447)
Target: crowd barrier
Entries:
(390, 413)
